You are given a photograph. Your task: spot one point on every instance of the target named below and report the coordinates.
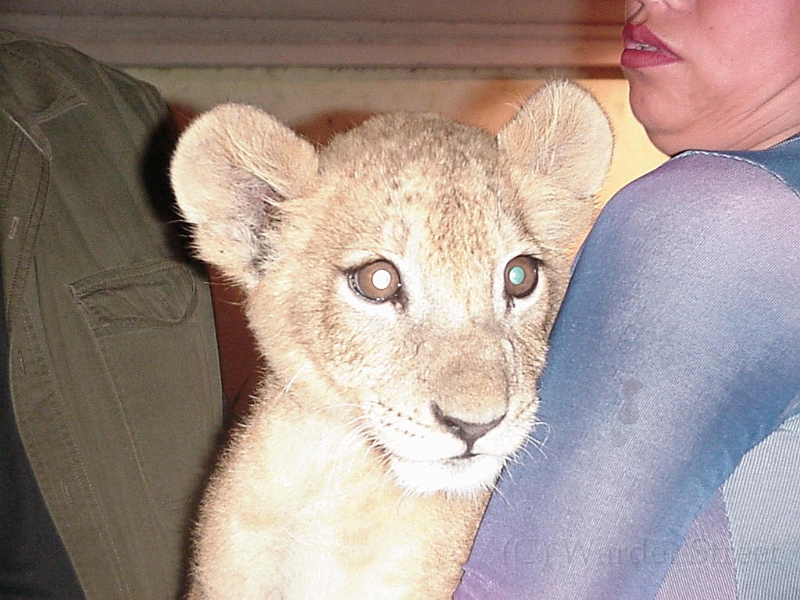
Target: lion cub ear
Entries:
(232, 169)
(558, 150)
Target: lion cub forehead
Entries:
(407, 163)
(420, 187)
(398, 139)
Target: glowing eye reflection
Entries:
(381, 279)
(516, 275)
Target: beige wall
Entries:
(319, 101)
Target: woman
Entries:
(671, 465)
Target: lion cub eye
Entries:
(378, 281)
(521, 276)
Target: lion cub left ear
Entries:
(232, 169)
(558, 150)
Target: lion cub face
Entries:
(402, 282)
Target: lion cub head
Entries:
(403, 280)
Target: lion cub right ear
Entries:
(230, 172)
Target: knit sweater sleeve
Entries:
(677, 350)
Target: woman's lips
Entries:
(643, 49)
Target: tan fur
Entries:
(350, 479)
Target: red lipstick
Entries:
(643, 49)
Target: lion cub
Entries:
(401, 284)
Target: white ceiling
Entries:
(536, 33)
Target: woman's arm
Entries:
(677, 350)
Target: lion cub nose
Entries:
(468, 431)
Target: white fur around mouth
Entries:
(457, 476)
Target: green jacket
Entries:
(113, 360)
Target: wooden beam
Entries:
(197, 41)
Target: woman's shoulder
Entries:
(700, 169)
(705, 180)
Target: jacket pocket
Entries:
(155, 295)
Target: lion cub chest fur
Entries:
(401, 284)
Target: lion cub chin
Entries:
(401, 283)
